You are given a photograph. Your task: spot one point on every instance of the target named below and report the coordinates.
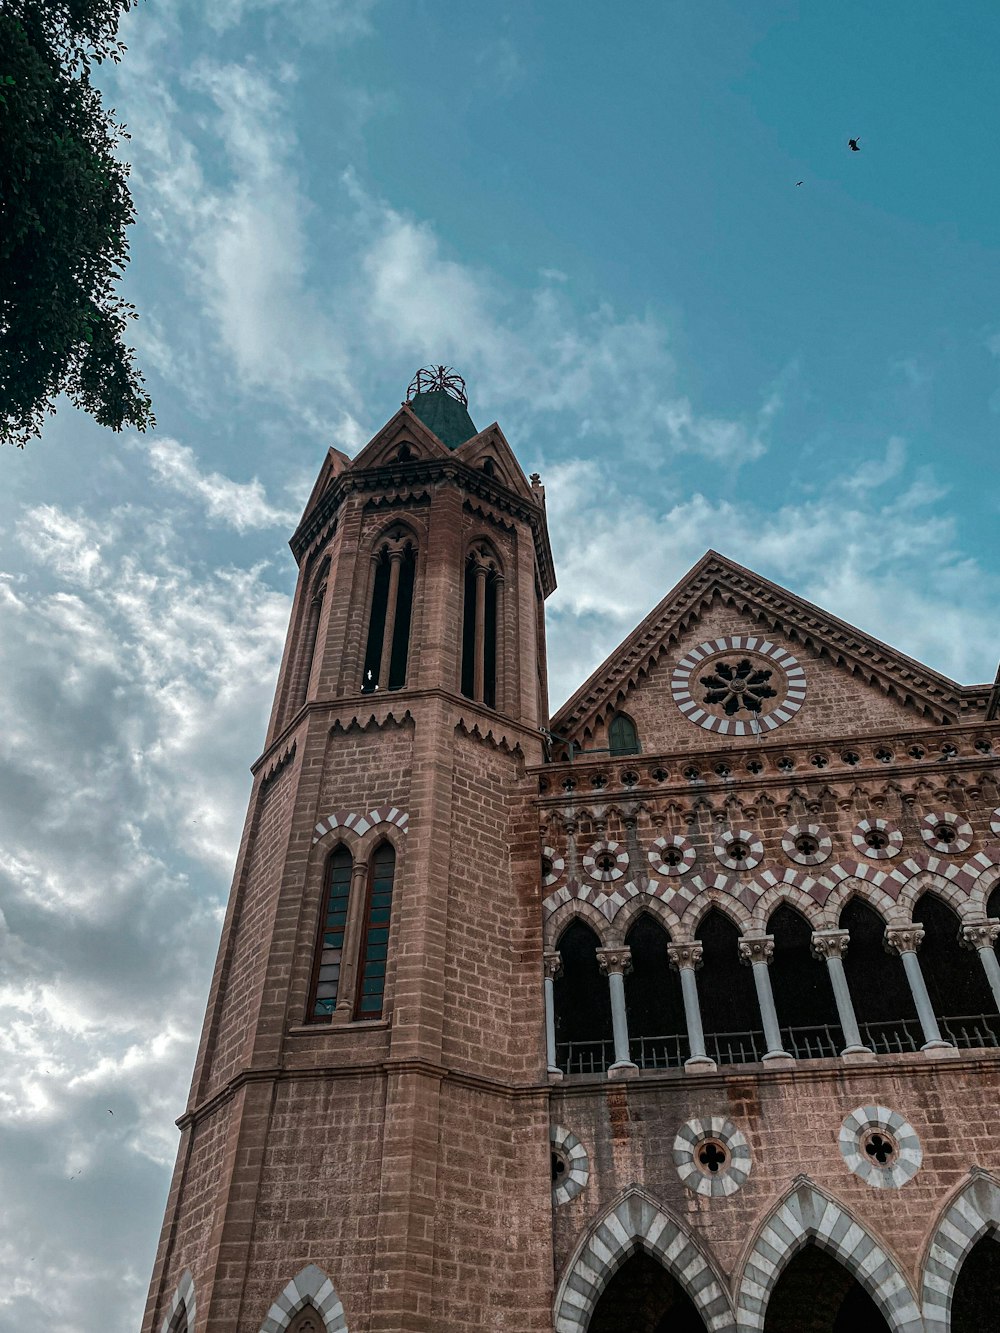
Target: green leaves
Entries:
(64, 211)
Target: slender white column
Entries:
(614, 964)
(758, 952)
(552, 962)
(831, 945)
(686, 958)
(905, 940)
(389, 631)
(980, 937)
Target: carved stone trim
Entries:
(904, 939)
(980, 934)
(614, 960)
(685, 955)
(552, 963)
(830, 943)
(757, 949)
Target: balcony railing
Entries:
(901, 1036)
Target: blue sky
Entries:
(591, 211)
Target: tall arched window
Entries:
(333, 922)
(582, 1004)
(803, 996)
(954, 976)
(395, 564)
(311, 630)
(622, 735)
(482, 615)
(881, 994)
(374, 949)
(653, 1003)
(730, 1014)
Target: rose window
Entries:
(738, 686)
(880, 1147)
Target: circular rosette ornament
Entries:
(671, 855)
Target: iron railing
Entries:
(901, 1036)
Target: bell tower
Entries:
(365, 1146)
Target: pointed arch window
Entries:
(374, 950)
(394, 573)
(622, 735)
(308, 1320)
(310, 634)
(333, 924)
(483, 615)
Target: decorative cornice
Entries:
(417, 479)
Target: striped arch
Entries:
(637, 1222)
(730, 907)
(650, 906)
(360, 823)
(986, 868)
(805, 1215)
(575, 911)
(180, 1317)
(974, 1212)
(310, 1287)
(955, 895)
(801, 891)
(873, 895)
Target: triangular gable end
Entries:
(405, 429)
(722, 611)
(490, 447)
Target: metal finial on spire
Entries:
(438, 379)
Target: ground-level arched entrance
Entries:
(643, 1297)
(816, 1294)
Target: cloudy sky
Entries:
(592, 211)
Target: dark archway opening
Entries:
(642, 1297)
(402, 615)
(960, 994)
(653, 1004)
(582, 1005)
(730, 1014)
(879, 990)
(816, 1294)
(977, 1291)
(803, 996)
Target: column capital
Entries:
(828, 944)
(685, 955)
(980, 934)
(757, 949)
(903, 939)
(552, 963)
(615, 960)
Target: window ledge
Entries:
(355, 1025)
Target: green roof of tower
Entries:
(437, 396)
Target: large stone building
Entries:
(676, 1012)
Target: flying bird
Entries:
(853, 145)
(798, 182)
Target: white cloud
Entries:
(239, 505)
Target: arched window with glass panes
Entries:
(352, 950)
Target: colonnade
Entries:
(757, 951)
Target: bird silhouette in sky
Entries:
(853, 145)
(798, 182)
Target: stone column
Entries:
(479, 641)
(831, 945)
(614, 964)
(905, 940)
(686, 958)
(980, 936)
(758, 952)
(395, 560)
(552, 963)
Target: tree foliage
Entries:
(64, 210)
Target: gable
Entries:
(727, 656)
(490, 453)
